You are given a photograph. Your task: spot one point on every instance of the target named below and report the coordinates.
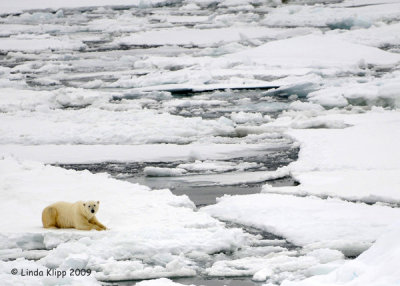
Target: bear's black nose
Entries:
(92, 211)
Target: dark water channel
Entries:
(201, 191)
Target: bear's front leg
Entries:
(86, 225)
(94, 221)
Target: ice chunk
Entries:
(326, 255)
(210, 166)
(236, 178)
(163, 172)
(244, 117)
(303, 106)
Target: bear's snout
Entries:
(92, 211)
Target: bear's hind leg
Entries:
(49, 217)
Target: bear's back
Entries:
(66, 213)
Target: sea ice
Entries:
(118, 84)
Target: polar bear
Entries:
(79, 215)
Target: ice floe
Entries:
(152, 233)
(335, 163)
(308, 221)
(79, 154)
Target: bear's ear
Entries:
(98, 202)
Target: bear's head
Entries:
(90, 208)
